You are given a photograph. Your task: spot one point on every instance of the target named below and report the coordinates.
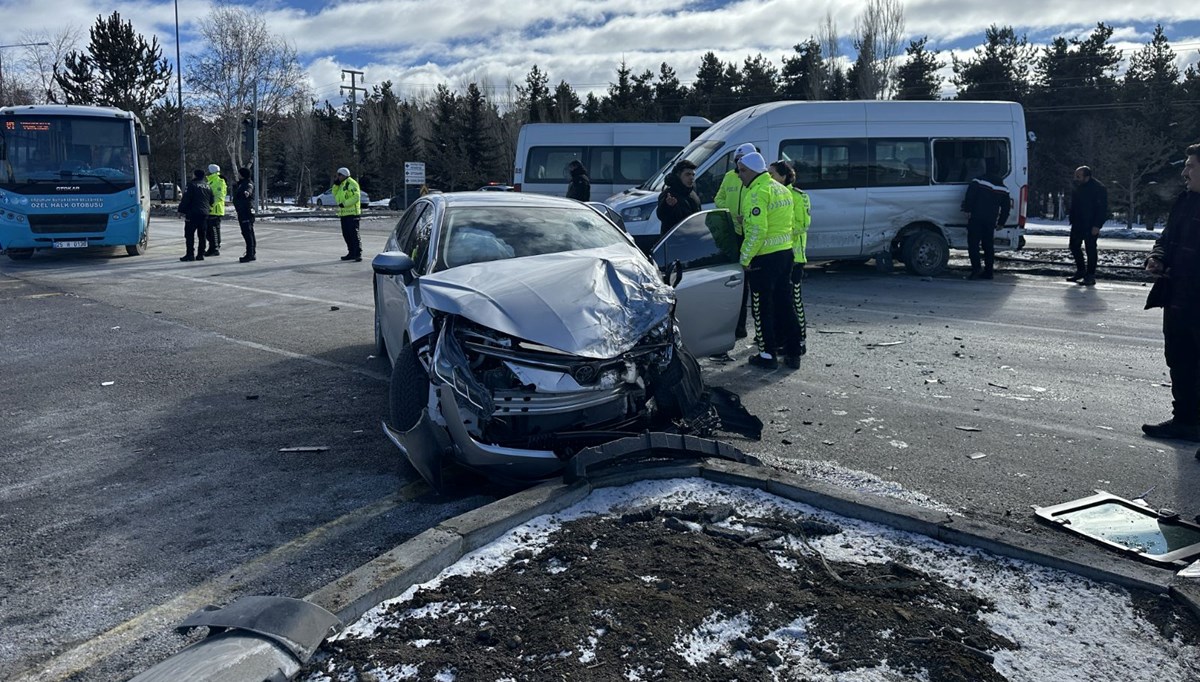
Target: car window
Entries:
(404, 228)
(473, 234)
(422, 232)
(701, 240)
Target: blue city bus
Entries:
(72, 177)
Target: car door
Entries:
(709, 295)
(392, 299)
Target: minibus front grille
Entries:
(68, 223)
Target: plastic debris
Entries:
(997, 385)
(977, 455)
(968, 428)
(306, 448)
(884, 343)
(107, 383)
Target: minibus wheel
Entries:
(925, 253)
(140, 247)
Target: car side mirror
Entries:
(394, 263)
(674, 274)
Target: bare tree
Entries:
(244, 62)
(40, 61)
(1123, 156)
(878, 33)
(830, 47)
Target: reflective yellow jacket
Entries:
(346, 194)
(767, 216)
(801, 219)
(729, 194)
(217, 184)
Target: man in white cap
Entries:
(347, 195)
(729, 197)
(217, 184)
(767, 215)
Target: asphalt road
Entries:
(126, 506)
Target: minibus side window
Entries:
(959, 161)
(899, 162)
(549, 164)
(827, 164)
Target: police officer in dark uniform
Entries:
(987, 205)
(195, 204)
(243, 203)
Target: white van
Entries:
(616, 155)
(886, 178)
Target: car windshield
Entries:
(697, 152)
(476, 234)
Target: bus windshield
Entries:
(53, 149)
(697, 152)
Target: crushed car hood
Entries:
(596, 303)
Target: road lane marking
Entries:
(256, 290)
(217, 591)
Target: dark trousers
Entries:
(214, 232)
(981, 238)
(771, 303)
(350, 234)
(1181, 332)
(1083, 236)
(797, 280)
(247, 225)
(191, 230)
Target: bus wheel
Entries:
(20, 254)
(925, 253)
(140, 247)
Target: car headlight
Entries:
(636, 213)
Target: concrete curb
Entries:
(428, 554)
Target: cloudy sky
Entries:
(417, 44)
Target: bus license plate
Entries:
(70, 244)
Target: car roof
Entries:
(499, 199)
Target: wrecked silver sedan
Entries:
(522, 328)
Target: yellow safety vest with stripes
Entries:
(767, 217)
(801, 219)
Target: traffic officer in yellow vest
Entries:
(729, 197)
(217, 184)
(767, 215)
(783, 173)
(346, 194)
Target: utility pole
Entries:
(354, 89)
(257, 186)
(183, 176)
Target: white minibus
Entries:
(616, 155)
(886, 178)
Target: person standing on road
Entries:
(766, 254)
(1089, 210)
(782, 172)
(986, 204)
(1175, 260)
(217, 184)
(580, 186)
(678, 199)
(194, 206)
(243, 204)
(349, 202)
(729, 197)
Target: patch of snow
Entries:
(711, 637)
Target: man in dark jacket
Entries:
(1175, 259)
(678, 199)
(197, 201)
(243, 203)
(1089, 210)
(987, 205)
(580, 187)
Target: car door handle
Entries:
(734, 281)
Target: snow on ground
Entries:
(1111, 229)
(1068, 628)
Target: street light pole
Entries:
(179, 79)
(3, 47)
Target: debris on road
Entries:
(977, 455)
(991, 383)
(306, 448)
(107, 383)
(968, 428)
(880, 344)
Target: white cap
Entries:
(214, 168)
(343, 171)
(755, 162)
(742, 150)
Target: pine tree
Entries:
(120, 69)
(758, 82)
(917, 78)
(566, 103)
(999, 70)
(669, 95)
(804, 75)
(535, 96)
(1152, 81)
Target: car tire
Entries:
(408, 390)
(20, 254)
(320, 203)
(139, 248)
(925, 253)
